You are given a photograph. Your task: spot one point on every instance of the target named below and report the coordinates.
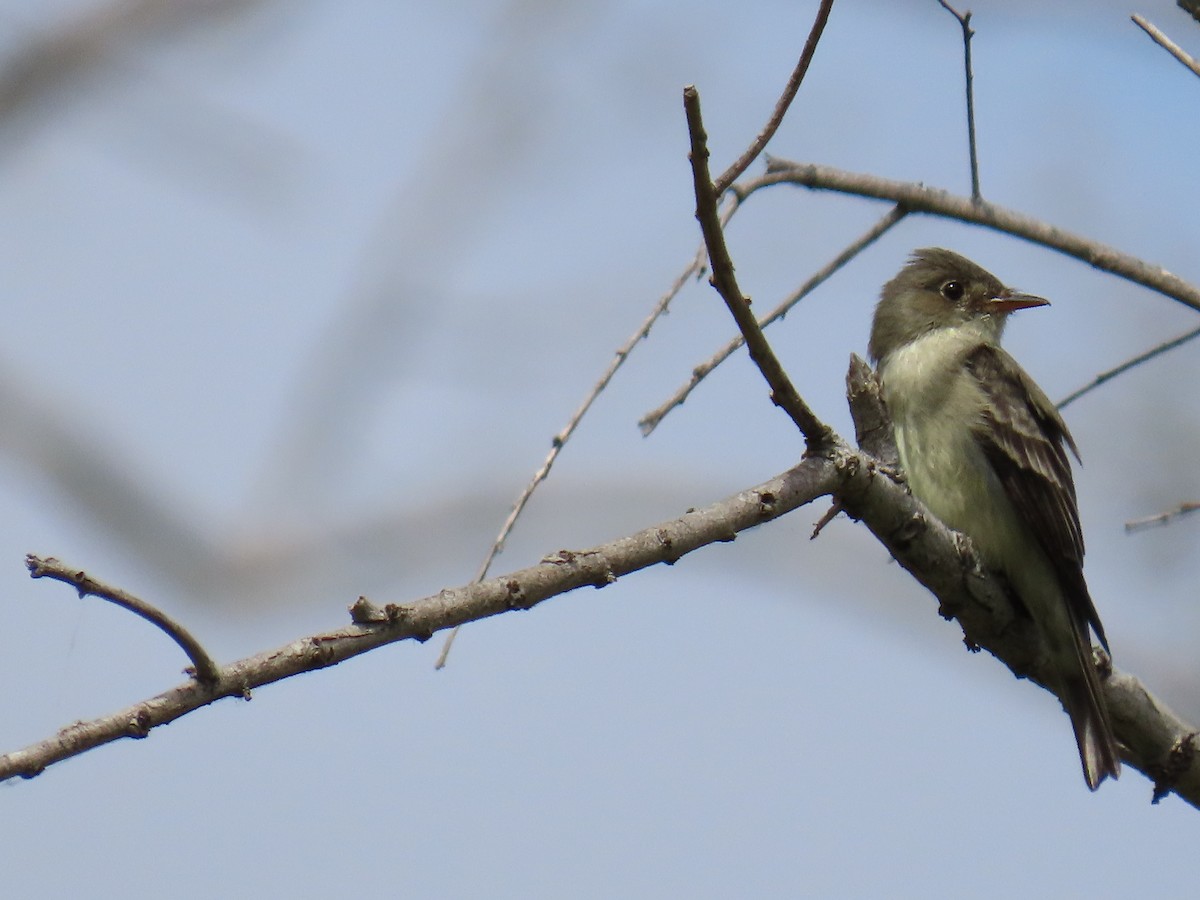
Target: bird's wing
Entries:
(1025, 440)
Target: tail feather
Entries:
(1080, 694)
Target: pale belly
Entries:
(936, 411)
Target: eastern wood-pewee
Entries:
(984, 450)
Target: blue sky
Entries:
(296, 296)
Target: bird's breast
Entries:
(937, 408)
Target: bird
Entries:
(985, 451)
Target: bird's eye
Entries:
(953, 291)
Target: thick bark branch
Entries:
(563, 571)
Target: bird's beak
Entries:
(1011, 300)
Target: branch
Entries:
(730, 175)
(964, 21)
(374, 627)
(1167, 44)
(918, 198)
(207, 671)
(1153, 739)
(1127, 365)
(873, 430)
(816, 433)
(1163, 518)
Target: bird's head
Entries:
(940, 289)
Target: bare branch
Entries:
(919, 198)
(1162, 518)
(964, 20)
(1127, 365)
(1167, 44)
(872, 425)
(207, 671)
(730, 175)
(783, 393)
(557, 574)
(651, 420)
(1152, 738)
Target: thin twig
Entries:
(816, 433)
(1167, 44)
(652, 419)
(1127, 365)
(835, 509)
(964, 20)
(207, 671)
(1162, 518)
(921, 199)
(730, 175)
(560, 439)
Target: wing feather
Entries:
(1026, 442)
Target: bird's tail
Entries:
(1084, 703)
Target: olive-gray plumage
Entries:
(985, 450)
